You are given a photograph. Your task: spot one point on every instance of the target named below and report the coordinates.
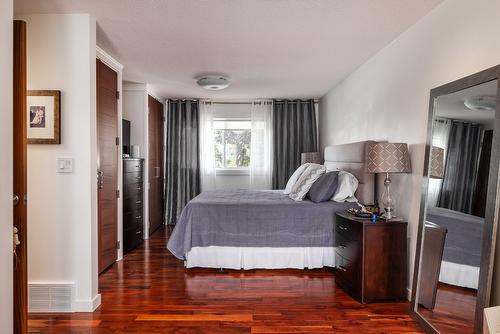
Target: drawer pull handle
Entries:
(341, 246)
(343, 228)
(342, 268)
(137, 166)
(138, 177)
(138, 232)
(139, 188)
(138, 217)
(138, 202)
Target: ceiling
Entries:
(270, 48)
(452, 105)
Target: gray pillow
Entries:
(324, 188)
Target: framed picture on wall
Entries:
(44, 117)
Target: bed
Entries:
(462, 247)
(248, 229)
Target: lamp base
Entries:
(388, 214)
(387, 199)
(392, 219)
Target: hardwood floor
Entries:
(454, 310)
(150, 291)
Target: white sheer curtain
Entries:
(261, 145)
(207, 154)
(440, 135)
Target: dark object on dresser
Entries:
(133, 198)
(432, 255)
(370, 258)
(126, 136)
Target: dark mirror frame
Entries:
(492, 207)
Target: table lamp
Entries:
(387, 158)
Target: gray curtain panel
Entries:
(461, 167)
(294, 132)
(182, 165)
(479, 201)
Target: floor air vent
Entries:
(50, 297)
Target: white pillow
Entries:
(295, 176)
(348, 184)
(306, 180)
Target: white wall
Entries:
(387, 97)
(6, 219)
(135, 102)
(62, 214)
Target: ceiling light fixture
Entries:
(213, 82)
(481, 102)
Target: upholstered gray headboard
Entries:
(351, 158)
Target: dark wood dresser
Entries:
(370, 258)
(133, 203)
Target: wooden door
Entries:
(155, 138)
(20, 180)
(107, 164)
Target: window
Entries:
(232, 144)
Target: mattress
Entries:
(253, 218)
(463, 240)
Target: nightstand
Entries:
(370, 258)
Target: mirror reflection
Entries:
(462, 135)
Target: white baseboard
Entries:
(88, 305)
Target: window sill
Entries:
(231, 171)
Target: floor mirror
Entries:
(459, 206)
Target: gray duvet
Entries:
(253, 218)
(463, 240)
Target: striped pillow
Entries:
(293, 179)
(306, 180)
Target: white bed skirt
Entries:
(459, 274)
(260, 257)
(300, 258)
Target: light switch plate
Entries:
(64, 165)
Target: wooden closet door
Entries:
(107, 164)
(155, 134)
(20, 180)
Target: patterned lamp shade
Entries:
(387, 158)
(436, 169)
(311, 157)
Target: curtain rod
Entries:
(186, 99)
(237, 102)
(295, 101)
(257, 102)
(249, 103)
(444, 119)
